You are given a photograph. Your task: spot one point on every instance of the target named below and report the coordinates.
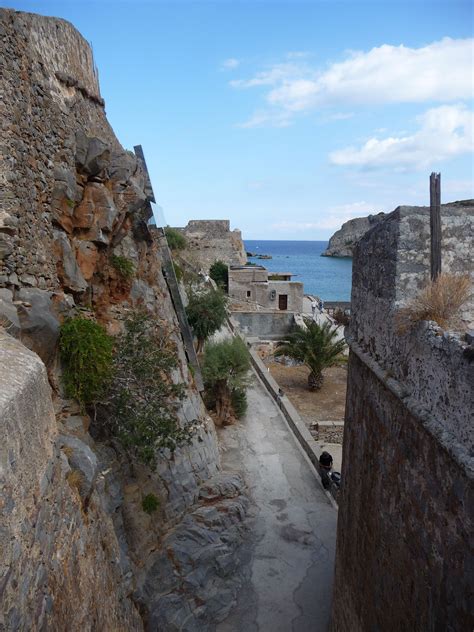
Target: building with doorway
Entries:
(270, 291)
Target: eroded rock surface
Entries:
(79, 546)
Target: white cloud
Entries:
(230, 64)
(440, 71)
(261, 117)
(333, 218)
(444, 132)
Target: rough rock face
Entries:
(212, 240)
(71, 198)
(59, 562)
(344, 240)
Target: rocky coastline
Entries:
(343, 242)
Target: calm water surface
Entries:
(327, 277)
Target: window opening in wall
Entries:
(283, 301)
(249, 293)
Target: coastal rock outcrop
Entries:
(343, 242)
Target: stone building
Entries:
(274, 291)
(405, 526)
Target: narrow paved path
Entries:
(290, 554)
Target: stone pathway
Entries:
(288, 560)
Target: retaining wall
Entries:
(268, 325)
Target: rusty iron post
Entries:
(435, 224)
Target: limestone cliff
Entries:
(344, 240)
(78, 550)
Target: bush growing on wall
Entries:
(150, 503)
(176, 240)
(123, 266)
(143, 397)
(86, 352)
(219, 272)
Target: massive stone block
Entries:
(405, 526)
(58, 568)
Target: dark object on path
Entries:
(328, 477)
(325, 465)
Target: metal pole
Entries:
(435, 224)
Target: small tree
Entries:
(225, 368)
(175, 239)
(206, 313)
(143, 398)
(219, 272)
(316, 347)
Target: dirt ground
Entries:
(327, 404)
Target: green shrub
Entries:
(150, 503)
(206, 313)
(124, 266)
(86, 352)
(219, 272)
(178, 270)
(143, 398)
(175, 239)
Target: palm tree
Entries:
(315, 347)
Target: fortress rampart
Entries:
(405, 521)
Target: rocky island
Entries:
(343, 241)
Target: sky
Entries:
(288, 118)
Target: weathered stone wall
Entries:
(212, 240)
(59, 562)
(406, 509)
(405, 526)
(266, 325)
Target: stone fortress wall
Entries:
(212, 240)
(71, 198)
(405, 528)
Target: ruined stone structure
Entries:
(344, 240)
(87, 556)
(254, 285)
(405, 528)
(210, 240)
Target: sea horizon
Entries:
(330, 278)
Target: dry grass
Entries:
(68, 451)
(75, 479)
(440, 301)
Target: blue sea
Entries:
(327, 277)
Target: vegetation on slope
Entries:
(175, 239)
(219, 272)
(87, 355)
(206, 313)
(143, 398)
